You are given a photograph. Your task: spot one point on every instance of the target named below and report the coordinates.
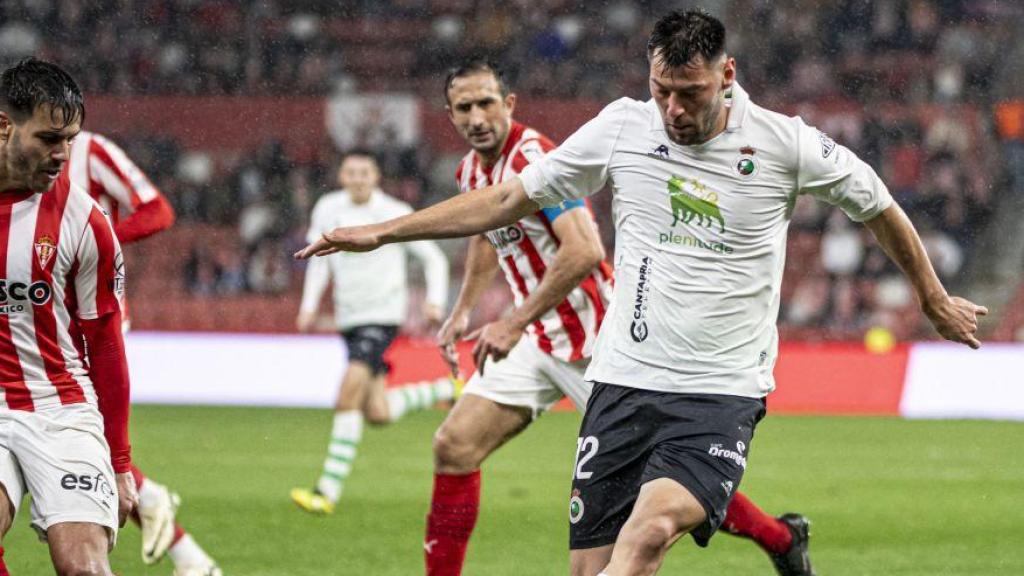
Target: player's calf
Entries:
(79, 549)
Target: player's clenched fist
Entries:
(956, 319)
(354, 239)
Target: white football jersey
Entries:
(369, 287)
(700, 237)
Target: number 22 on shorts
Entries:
(586, 448)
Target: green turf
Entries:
(886, 496)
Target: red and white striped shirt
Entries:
(527, 248)
(61, 264)
(134, 204)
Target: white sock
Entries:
(418, 396)
(185, 552)
(345, 436)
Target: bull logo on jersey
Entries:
(690, 200)
(45, 249)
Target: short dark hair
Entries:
(680, 37)
(31, 83)
(476, 67)
(359, 153)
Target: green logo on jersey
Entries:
(690, 199)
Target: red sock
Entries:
(3, 566)
(453, 511)
(744, 518)
(179, 533)
(139, 477)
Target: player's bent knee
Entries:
(455, 453)
(655, 533)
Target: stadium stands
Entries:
(919, 89)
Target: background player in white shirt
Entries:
(64, 412)
(137, 210)
(553, 262)
(370, 299)
(703, 193)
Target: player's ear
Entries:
(6, 126)
(510, 102)
(728, 72)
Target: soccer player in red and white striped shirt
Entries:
(554, 264)
(63, 412)
(137, 210)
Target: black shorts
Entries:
(631, 436)
(368, 343)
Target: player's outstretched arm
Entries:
(953, 317)
(463, 215)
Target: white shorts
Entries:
(528, 377)
(61, 458)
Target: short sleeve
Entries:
(99, 273)
(834, 174)
(579, 166)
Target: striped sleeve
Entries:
(119, 177)
(99, 281)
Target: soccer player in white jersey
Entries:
(64, 412)
(704, 182)
(554, 263)
(137, 210)
(370, 301)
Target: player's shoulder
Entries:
(778, 134)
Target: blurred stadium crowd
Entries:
(911, 85)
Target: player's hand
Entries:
(433, 314)
(956, 319)
(305, 321)
(127, 496)
(450, 333)
(495, 340)
(353, 239)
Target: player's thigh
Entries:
(375, 404)
(354, 386)
(589, 561)
(474, 428)
(12, 485)
(79, 548)
(664, 511)
(65, 464)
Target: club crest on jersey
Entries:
(45, 249)
(690, 199)
(575, 507)
(746, 163)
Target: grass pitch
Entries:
(886, 496)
